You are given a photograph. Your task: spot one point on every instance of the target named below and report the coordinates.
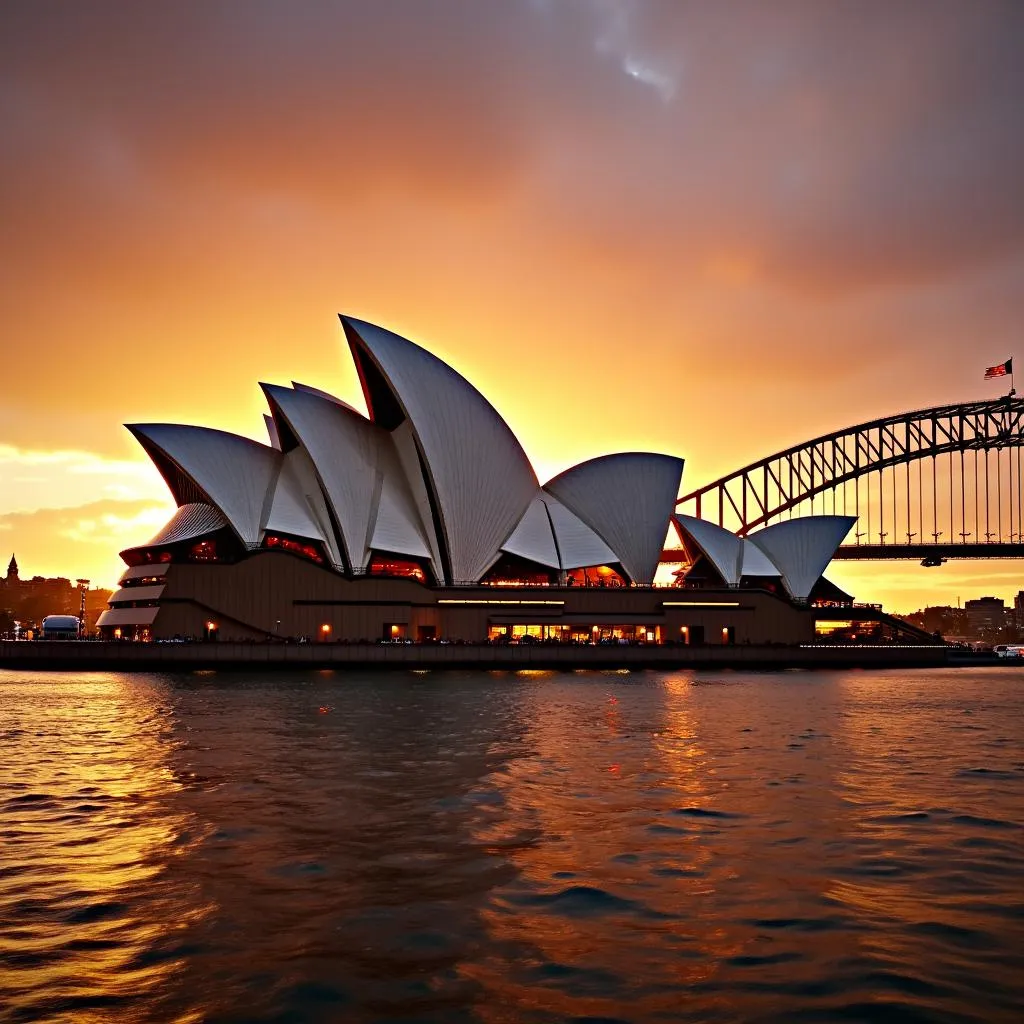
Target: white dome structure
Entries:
(345, 451)
(754, 562)
(627, 500)
(724, 550)
(551, 535)
(194, 519)
(802, 548)
(798, 550)
(422, 520)
(433, 476)
(476, 472)
(199, 464)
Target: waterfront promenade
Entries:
(106, 655)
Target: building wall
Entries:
(986, 614)
(275, 594)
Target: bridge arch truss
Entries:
(949, 475)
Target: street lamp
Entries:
(83, 586)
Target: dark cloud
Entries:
(752, 177)
(839, 143)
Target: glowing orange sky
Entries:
(710, 230)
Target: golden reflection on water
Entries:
(505, 847)
(599, 797)
(87, 817)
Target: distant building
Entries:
(1018, 614)
(941, 619)
(30, 601)
(985, 615)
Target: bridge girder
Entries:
(760, 492)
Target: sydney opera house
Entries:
(424, 521)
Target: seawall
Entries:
(169, 657)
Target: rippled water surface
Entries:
(504, 847)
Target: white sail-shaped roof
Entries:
(724, 550)
(755, 562)
(397, 527)
(310, 390)
(802, 548)
(550, 534)
(533, 538)
(344, 449)
(404, 441)
(627, 499)
(479, 475)
(191, 520)
(298, 507)
(230, 472)
(578, 545)
(272, 434)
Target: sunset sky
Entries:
(708, 229)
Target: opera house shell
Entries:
(425, 521)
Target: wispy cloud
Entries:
(617, 38)
(32, 479)
(81, 540)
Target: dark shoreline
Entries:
(127, 656)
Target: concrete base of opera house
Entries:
(275, 596)
(189, 656)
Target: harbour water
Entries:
(512, 846)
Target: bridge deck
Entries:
(850, 552)
(990, 549)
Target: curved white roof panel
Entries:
(723, 549)
(578, 545)
(756, 562)
(231, 472)
(480, 477)
(397, 527)
(298, 507)
(272, 434)
(802, 548)
(343, 447)
(192, 520)
(533, 538)
(627, 499)
(411, 464)
(310, 390)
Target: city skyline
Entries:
(635, 226)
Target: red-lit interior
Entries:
(204, 551)
(147, 557)
(510, 571)
(293, 547)
(596, 576)
(399, 567)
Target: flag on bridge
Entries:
(1002, 370)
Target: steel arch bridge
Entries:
(931, 484)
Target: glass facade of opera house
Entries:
(424, 521)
